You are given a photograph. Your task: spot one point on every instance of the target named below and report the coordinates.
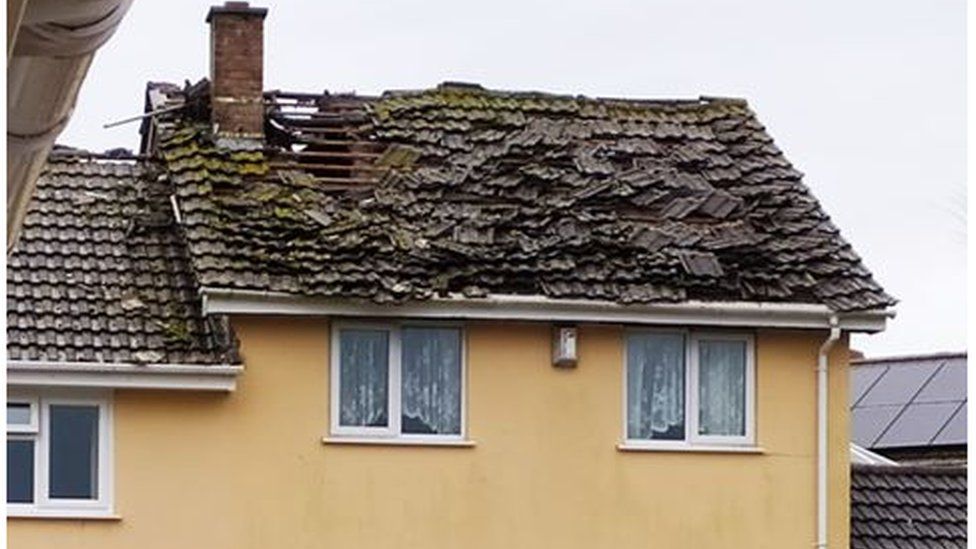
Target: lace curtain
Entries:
(722, 388)
(363, 378)
(431, 380)
(656, 386)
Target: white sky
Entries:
(866, 97)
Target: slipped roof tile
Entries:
(459, 189)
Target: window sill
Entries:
(61, 514)
(363, 441)
(693, 448)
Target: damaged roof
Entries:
(100, 274)
(462, 190)
(901, 507)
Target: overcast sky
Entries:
(866, 97)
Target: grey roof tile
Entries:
(898, 506)
(100, 274)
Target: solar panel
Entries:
(949, 384)
(955, 430)
(910, 401)
(868, 423)
(899, 384)
(862, 378)
(917, 425)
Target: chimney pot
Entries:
(237, 69)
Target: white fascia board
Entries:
(185, 377)
(537, 308)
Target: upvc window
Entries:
(689, 388)
(397, 381)
(58, 455)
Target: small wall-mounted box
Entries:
(564, 347)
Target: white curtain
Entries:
(363, 378)
(431, 380)
(722, 388)
(656, 386)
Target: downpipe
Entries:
(822, 418)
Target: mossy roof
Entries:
(486, 192)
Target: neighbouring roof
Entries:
(911, 401)
(462, 190)
(900, 507)
(100, 274)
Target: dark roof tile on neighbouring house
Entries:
(909, 401)
(459, 190)
(901, 507)
(100, 273)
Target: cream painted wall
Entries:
(249, 469)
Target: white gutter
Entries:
(863, 456)
(822, 418)
(52, 46)
(538, 308)
(185, 377)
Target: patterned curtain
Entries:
(656, 386)
(431, 380)
(363, 378)
(722, 388)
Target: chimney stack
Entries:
(237, 70)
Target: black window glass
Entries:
(20, 471)
(74, 452)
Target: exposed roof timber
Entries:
(187, 377)
(503, 307)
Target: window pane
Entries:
(722, 388)
(656, 386)
(431, 381)
(363, 377)
(20, 471)
(74, 452)
(18, 413)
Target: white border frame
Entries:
(393, 431)
(658, 443)
(749, 438)
(692, 440)
(34, 424)
(44, 505)
(392, 423)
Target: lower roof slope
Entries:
(899, 507)
(100, 274)
(463, 190)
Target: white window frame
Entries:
(394, 412)
(44, 505)
(33, 425)
(692, 439)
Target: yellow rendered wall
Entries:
(249, 469)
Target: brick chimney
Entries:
(237, 69)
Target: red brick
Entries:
(237, 70)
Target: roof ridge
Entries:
(911, 469)
(478, 89)
(910, 357)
